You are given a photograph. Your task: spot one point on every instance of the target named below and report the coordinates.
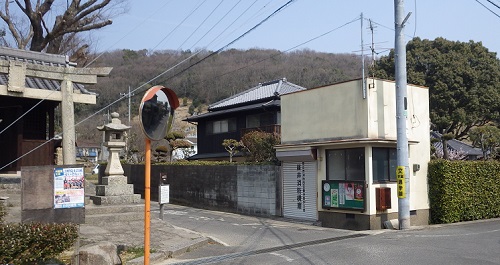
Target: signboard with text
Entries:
(164, 196)
(400, 177)
(343, 194)
(69, 188)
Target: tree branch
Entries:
(85, 10)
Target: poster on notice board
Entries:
(343, 194)
(69, 188)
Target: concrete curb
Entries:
(164, 255)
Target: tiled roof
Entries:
(456, 145)
(9, 54)
(260, 92)
(271, 103)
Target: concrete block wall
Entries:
(248, 189)
(256, 189)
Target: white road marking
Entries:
(282, 256)
(172, 212)
(218, 241)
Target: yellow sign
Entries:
(400, 176)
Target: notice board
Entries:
(343, 194)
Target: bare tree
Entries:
(76, 17)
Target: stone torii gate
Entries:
(18, 71)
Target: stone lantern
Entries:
(113, 187)
(114, 140)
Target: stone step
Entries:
(114, 190)
(109, 209)
(114, 200)
(97, 219)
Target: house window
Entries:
(384, 164)
(345, 164)
(221, 126)
(259, 120)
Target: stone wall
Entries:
(248, 189)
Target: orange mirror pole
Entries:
(147, 201)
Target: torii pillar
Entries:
(68, 123)
(85, 76)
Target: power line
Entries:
(287, 50)
(178, 25)
(235, 40)
(488, 8)
(128, 33)
(211, 28)
(497, 6)
(203, 22)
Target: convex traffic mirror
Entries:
(157, 112)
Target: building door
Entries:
(299, 190)
(10, 138)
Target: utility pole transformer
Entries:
(402, 171)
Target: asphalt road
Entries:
(251, 240)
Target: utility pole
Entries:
(402, 171)
(129, 95)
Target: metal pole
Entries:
(362, 60)
(162, 210)
(147, 210)
(401, 115)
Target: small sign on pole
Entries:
(164, 196)
(400, 177)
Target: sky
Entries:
(331, 26)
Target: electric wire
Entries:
(201, 24)
(493, 12)
(285, 51)
(254, 16)
(235, 40)
(386, 27)
(217, 24)
(218, 51)
(497, 6)
(211, 28)
(178, 25)
(129, 32)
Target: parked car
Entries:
(95, 170)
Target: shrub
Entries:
(34, 242)
(260, 146)
(463, 190)
(2, 212)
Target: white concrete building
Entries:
(339, 154)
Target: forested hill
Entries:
(220, 75)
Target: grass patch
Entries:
(130, 253)
(94, 179)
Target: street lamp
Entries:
(156, 114)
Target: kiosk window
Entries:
(346, 164)
(384, 164)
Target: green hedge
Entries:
(463, 190)
(34, 242)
